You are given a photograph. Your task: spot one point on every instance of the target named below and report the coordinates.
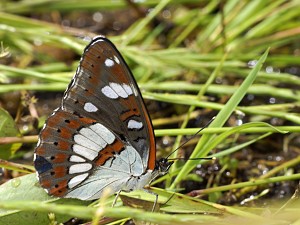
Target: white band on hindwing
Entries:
(91, 140)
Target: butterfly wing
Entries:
(104, 89)
(102, 122)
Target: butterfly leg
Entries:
(156, 198)
(169, 199)
(116, 198)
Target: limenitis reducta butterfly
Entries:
(101, 136)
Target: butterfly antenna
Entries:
(194, 135)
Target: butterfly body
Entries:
(101, 137)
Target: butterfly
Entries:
(101, 137)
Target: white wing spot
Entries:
(90, 107)
(109, 63)
(119, 90)
(90, 141)
(103, 132)
(133, 124)
(127, 88)
(96, 137)
(116, 59)
(109, 92)
(80, 168)
(85, 152)
(75, 158)
(77, 180)
(84, 140)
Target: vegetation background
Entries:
(237, 60)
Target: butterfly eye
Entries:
(163, 165)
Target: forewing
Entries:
(104, 89)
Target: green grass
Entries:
(194, 57)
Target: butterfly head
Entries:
(163, 165)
